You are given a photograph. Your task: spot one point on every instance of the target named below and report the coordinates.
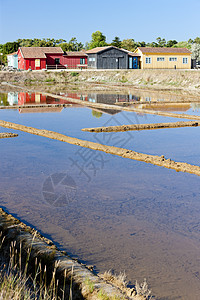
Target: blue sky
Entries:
(141, 20)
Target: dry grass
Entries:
(117, 280)
(16, 283)
(140, 290)
(143, 290)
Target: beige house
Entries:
(164, 58)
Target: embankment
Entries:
(141, 127)
(75, 278)
(184, 81)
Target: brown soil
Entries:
(171, 81)
(141, 127)
(7, 135)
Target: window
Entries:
(148, 60)
(57, 61)
(82, 61)
(130, 62)
(37, 63)
(160, 59)
(173, 59)
(185, 60)
(92, 59)
(91, 100)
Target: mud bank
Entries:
(7, 135)
(77, 276)
(186, 81)
(152, 159)
(141, 127)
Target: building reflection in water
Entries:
(138, 100)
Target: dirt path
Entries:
(141, 127)
(152, 159)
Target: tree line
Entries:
(98, 40)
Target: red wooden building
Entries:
(75, 59)
(37, 58)
(31, 98)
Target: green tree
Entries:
(153, 44)
(25, 42)
(129, 44)
(10, 47)
(39, 42)
(60, 41)
(64, 46)
(141, 44)
(4, 99)
(197, 40)
(74, 45)
(171, 43)
(183, 44)
(161, 42)
(98, 40)
(116, 42)
(96, 114)
(190, 41)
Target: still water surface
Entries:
(111, 212)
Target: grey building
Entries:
(111, 57)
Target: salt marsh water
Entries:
(117, 213)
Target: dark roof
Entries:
(39, 52)
(75, 53)
(99, 49)
(164, 50)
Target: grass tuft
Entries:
(142, 289)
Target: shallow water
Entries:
(111, 212)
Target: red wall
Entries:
(21, 62)
(73, 61)
(51, 59)
(70, 61)
(30, 64)
(24, 64)
(24, 98)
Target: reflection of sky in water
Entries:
(180, 144)
(124, 211)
